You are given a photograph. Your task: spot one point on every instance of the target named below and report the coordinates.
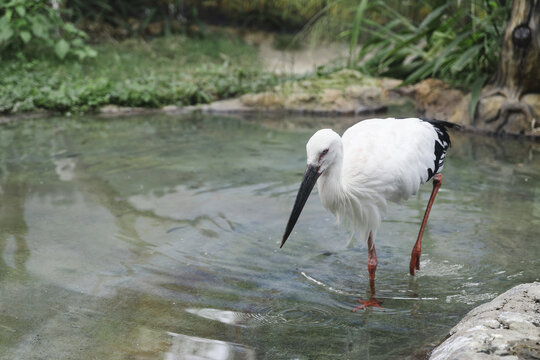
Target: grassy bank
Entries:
(170, 70)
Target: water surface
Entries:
(157, 237)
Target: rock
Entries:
(351, 74)
(171, 108)
(508, 326)
(222, 106)
(123, 110)
(364, 110)
(298, 98)
(436, 100)
(345, 93)
(264, 100)
(389, 83)
(363, 92)
(110, 109)
(461, 113)
(331, 96)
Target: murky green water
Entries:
(157, 237)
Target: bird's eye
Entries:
(325, 151)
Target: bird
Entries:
(376, 161)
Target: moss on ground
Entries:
(171, 70)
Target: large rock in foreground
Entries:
(507, 327)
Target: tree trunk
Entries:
(510, 103)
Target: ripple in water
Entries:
(469, 299)
(312, 315)
(439, 269)
(238, 318)
(327, 287)
(343, 292)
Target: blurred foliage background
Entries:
(45, 41)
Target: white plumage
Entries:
(375, 161)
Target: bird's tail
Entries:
(442, 123)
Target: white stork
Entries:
(375, 161)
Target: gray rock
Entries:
(508, 326)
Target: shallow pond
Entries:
(157, 237)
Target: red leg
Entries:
(372, 258)
(417, 249)
(372, 267)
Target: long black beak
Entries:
(310, 178)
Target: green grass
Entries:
(457, 41)
(169, 70)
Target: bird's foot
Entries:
(368, 303)
(415, 262)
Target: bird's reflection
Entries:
(192, 347)
(13, 228)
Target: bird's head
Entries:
(322, 149)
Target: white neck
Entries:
(350, 199)
(330, 184)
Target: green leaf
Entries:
(91, 52)
(20, 10)
(476, 90)
(25, 36)
(5, 29)
(40, 26)
(355, 32)
(433, 16)
(70, 28)
(61, 48)
(421, 73)
(78, 43)
(467, 56)
(395, 14)
(449, 49)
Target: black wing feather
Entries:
(441, 144)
